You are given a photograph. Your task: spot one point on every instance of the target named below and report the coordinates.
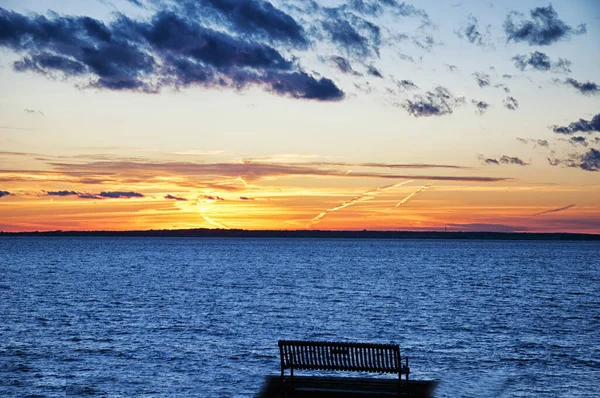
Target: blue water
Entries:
(170, 317)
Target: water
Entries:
(170, 317)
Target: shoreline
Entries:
(315, 234)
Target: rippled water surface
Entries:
(170, 317)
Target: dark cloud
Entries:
(544, 29)
(89, 196)
(511, 103)
(425, 42)
(585, 88)
(542, 62)
(481, 106)
(503, 160)
(378, 7)
(354, 35)
(166, 51)
(246, 198)
(553, 210)
(507, 76)
(4, 193)
(404, 85)
(482, 79)
(121, 195)
(211, 197)
(503, 87)
(472, 32)
(580, 126)
(373, 71)
(406, 57)
(62, 193)
(589, 161)
(171, 197)
(343, 65)
(578, 140)
(438, 102)
(252, 18)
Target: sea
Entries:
(201, 317)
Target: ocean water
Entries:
(173, 317)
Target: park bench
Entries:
(347, 357)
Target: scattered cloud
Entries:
(62, 193)
(212, 198)
(542, 143)
(511, 103)
(4, 193)
(481, 106)
(438, 102)
(588, 161)
(544, 28)
(473, 33)
(580, 126)
(585, 88)
(246, 198)
(482, 79)
(503, 160)
(34, 112)
(171, 197)
(541, 62)
(121, 195)
(578, 140)
(451, 68)
(553, 210)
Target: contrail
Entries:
(360, 198)
(403, 201)
(553, 210)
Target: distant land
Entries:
(317, 234)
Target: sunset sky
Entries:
(293, 114)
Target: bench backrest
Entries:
(357, 357)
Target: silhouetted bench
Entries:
(347, 357)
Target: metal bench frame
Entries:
(340, 356)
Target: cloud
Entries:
(585, 88)
(212, 198)
(588, 161)
(171, 197)
(481, 106)
(404, 85)
(503, 160)
(511, 103)
(62, 193)
(438, 102)
(89, 196)
(580, 126)
(354, 35)
(373, 71)
(451, 68)
(541, 62)
(578, 140)
(168, 51)
(246, 198)
(472, 32)
(123, 172)
(544, 29)
(376, 8)
(482, 79)
(4, 193)
(542, 143)
(120, 195)
(343, 65)
(34, 112)
(553, 210)
(406, 199)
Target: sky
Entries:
(286, 115)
